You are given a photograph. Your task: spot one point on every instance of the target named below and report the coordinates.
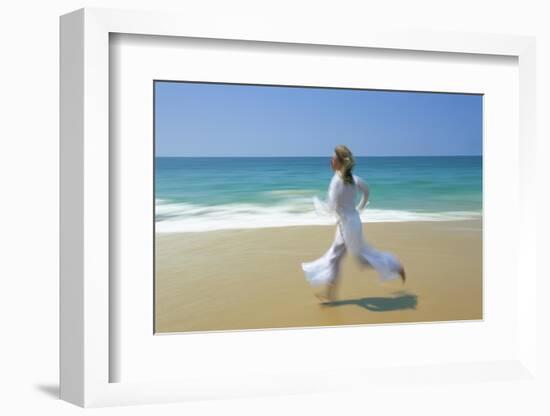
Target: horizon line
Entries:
(323, 156)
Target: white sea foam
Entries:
(291, 193)
(184, 217)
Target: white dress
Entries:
(349, 235)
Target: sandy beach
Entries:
(251, 278)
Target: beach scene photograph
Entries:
(296, 207)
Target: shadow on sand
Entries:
(379, 304)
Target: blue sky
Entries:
(200, 119)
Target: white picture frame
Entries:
(85, 302)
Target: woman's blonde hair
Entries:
(345, 157)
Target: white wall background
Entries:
(29, 209)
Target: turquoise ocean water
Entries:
(210, 193)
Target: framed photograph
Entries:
(266, 211)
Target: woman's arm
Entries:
(364, 188)
(332, 195)
(329, 205)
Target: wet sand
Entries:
(251, 278)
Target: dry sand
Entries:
(250, 279)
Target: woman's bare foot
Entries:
(331, 292)
(328, 295)
(402, 274)
(322, 297)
